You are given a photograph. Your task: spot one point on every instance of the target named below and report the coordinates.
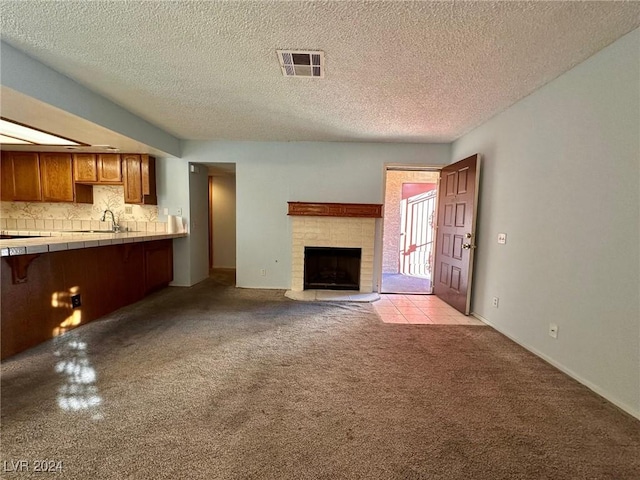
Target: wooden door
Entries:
(109, 169)
(84, 167)
(57, 177)
(132, 174)
(455, 245)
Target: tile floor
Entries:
(332, 296)
(420, 309)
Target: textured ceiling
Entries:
(395, 71)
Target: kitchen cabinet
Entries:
(41, 177)
(158, 264)
(109, 168)
(120, 275)
(97, 168)
(21, 177)
(85, 168)
(139, 177)
(56, 171)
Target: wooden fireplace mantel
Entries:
(315, 209)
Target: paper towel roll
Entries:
(172, 225)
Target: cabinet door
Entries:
(85, 167)
(132, 173)
(57, 177)
(158, 264)
(148, 164)
(24, 170)
(6, 177)
(109, 170)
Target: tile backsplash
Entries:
(66, 216)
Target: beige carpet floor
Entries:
(214, 382)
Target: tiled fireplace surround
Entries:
(346, 232)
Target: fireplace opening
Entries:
(332, 268)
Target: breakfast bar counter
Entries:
(56, 282)
(53, 241)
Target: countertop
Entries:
(44, 242)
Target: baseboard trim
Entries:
(261, 288)
(622, 406)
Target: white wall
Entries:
(223, 216)
(198, 223)
(172, 183)
(270, 174)
(560, 176)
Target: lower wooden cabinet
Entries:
(106, 278)
(158, 261)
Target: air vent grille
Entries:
(301, 63)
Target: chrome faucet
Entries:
(114, 225)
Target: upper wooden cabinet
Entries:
(139, 175)
(97, 169)
(38, 177)
(56, 171)
(109, 168)
(21, 177)
(84, 168)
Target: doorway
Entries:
(409, 229)
(222, 223)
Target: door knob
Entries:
(468, 246)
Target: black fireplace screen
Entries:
(332, 268)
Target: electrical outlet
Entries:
(495, 301)
(76, 301)
(553, 330)
(263, 272)
(128, 209)
(502, 238)
(179, 212)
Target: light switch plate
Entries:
(502, 238)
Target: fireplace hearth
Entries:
(332, 268)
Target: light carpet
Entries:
(214, 382)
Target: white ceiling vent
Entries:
(301, 63)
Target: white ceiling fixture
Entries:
(301, 63)
(4, 140)
(17, 134)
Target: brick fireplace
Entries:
(351, 226)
